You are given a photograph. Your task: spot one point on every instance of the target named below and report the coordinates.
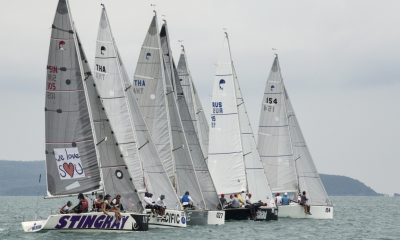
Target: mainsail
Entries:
(193, 101)
(111, 78)
(225, 155)
(282, 147)
(154, 92)
(71, 158)
(202, 173)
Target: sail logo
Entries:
(217, 107)
(148, 56)
(102, 50)
(69, 163)
(61, 45)
(221, 84)
(91, 222)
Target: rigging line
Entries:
(143, 145)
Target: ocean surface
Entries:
(354, 218)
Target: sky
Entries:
(339, 59)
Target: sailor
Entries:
(285, 199)
(303, 202)
(160, 205)
(235, 202)
(223, 202)
(240, 198)
(107, 207)
(278, 199)
(83, 205)
(66, 208)
(98, 203)
(187, 201)
(251, 206)
(116, 202)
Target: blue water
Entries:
(354, 218)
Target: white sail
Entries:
(225, 155)
(148, 86)
(109, 82)
(186, 176)
(274, 141)
(257, 183)
(285, 155)
(193, 102)
(155, 178)
(71, 158)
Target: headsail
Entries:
(71, 158)
(193, 101)
(225, 155)
(152, 170)
(285, 155)
(186, 176)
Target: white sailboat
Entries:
(193, 101)
(130, 130)
(81, 156)
(154, 90)
(285, 155)
(233, 158)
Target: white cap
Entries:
(285, 193)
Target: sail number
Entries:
(271, 101)
(213, 121)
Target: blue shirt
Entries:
(285, 200)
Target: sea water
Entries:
(354, 218)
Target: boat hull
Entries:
(297, 211)
(237, 214)
(199, 217)
(266, 214)
(94, 221)
(171, 219)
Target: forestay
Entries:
(285, 155)
(225, 155)
(71, 158)
(116, 80)
(193, 101)
(186, 176)
(257, 183)
(148, 86)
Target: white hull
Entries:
(93, 221)
(171, 219)
(199, 217)
(297, 211)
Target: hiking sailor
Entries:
(107, 207)
(83, 205)
(160, 205)
(116, 202)
(66, 208)
(98, 203)
(187, 200)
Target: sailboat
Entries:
(81, 155)
(193, 101)
(130, 130)
(233, 158)
(285, 155)
(154, 91)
